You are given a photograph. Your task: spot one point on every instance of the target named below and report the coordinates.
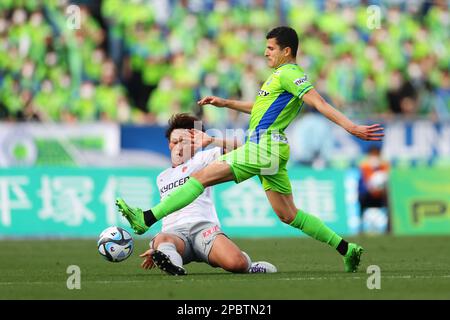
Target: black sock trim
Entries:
(342, 247)
(149, 218)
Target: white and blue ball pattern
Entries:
(115, 244)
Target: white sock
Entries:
(249, 261)
(170, 250)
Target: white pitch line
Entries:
(250, 278)
(359, 278)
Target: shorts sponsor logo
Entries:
(210, 231)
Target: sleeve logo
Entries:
(299, 81)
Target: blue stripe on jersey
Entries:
(271, 115)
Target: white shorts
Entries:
(198, 240)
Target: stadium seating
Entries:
(127, 63)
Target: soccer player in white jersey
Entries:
(193, 233)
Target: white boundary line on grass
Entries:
(250, 278)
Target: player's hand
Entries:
(215, 101)
(148, 261)
(373, 132)
(200, 139)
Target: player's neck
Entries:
(283, 63)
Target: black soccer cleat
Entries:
(162, 261)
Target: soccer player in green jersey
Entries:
(266, 150)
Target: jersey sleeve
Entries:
(295, 82)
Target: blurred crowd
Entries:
(142, 60)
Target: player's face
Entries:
(181, 147)
(274, 54)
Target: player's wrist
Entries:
(351, 128)
(225, 103)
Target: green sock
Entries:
(179, 198)
(315, 228)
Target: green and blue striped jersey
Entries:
(279, 101)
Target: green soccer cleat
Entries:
(353, 257)
(134, 216)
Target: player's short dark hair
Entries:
(285, 37)
(182, 121)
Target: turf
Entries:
(411, 268)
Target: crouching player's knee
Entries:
(237, 263)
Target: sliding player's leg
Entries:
(227, 255)
(168, 251)
(212, 246)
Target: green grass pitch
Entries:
(411, 268)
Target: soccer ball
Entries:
(115, 244)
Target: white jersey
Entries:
(202, 209)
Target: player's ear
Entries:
(287, 51)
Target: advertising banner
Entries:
(47, 144)
(65, 202)
(80, 202)
(420, 201)
(406, 143)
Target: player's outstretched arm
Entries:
(227, 145)
(243, 106)
(373, 132)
